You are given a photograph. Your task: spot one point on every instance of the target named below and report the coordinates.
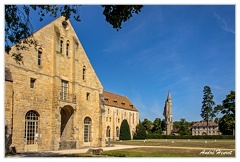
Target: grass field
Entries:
(209, 143)
(176, 148)
(171, 148)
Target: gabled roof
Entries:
(116, 100)
(204, 123)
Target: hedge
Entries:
(157, 136)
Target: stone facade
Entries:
(117, 109)
(200, 128)
(168, 114)
(54, 99)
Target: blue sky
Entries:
(177, 48)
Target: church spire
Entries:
(169, 96)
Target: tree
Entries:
(124, 131)
(147, 124)
(183, 127)
(163, 124)
(140, 132)
(18, 27)
(227, 108)
(157, 126)
(207, 112)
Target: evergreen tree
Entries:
(207, 112)
(163, 125)
(183, 127)
(140, 132)
(157, 126)
(148, 125)
(227, 108)
(124, 131)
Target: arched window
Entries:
(117, 131)
(39, 56)
(87, 129)
(67, 48)
(84, 72)
(61, 45)
(31, 128)
(108, 131)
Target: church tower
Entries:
(168, 114)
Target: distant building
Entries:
(201, 128)
(168, 114)
(117, 109)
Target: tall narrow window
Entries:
(64, 92)
(84, 73)
(67, 48)
(133, 118)
(32, 82)
(39, 57)
(108, 131)
(87, 129)
(117, 131)
(31, 128)
(61, 46)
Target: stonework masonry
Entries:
(54, 99)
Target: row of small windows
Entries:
(198, 132)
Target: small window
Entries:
(115, 101)
(84, 73)
(32, 82)
(123, 104)
(67, 48)
(106, 99)
(64, 24)
(61, 46)
(87, 96)
(39, 57)
(110, 119)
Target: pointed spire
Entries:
(169, 96)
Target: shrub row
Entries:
(157, 136)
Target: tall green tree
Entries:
(147, 124)
(140, 132)
(227, 108)
(207, 112)
(124, 131)
(163, 124)
(157, 126)
(18, 25)
(183, 127)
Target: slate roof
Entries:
(116, 100)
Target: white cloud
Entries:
(223, 24)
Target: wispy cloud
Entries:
(223, 24)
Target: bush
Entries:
(124, 131)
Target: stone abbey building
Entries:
(56, 101)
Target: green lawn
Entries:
(197, 148)
(168, 152)
(207, 148)
(222, 144)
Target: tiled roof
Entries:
(204, 123)
(117, 100)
